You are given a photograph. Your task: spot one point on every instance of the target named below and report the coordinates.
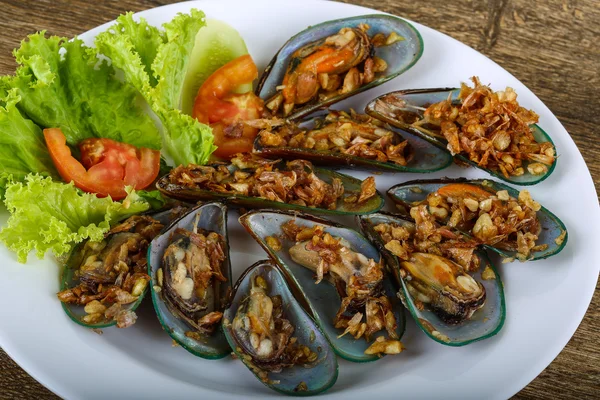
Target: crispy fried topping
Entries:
(353, 134)
(337, 64)
(296, 183)
(491, 129)
(491, 218)
(112, 272)
(428, 237)
(364, 309)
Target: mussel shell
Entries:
(350, 183)
(407, 193)
(320, 300)
(318, 377)
(399, 56)
(484, 323)
(426, 158)
(67, 279)
(213, 217)
(426, 97)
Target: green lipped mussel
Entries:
(191, 279)
(274, 337)
(453, 292)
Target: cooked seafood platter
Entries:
(235, 172)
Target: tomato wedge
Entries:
(106, 166)
(218, 105)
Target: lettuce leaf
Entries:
(186, 140)
(64, 84)
(22, 146)
(47, 215)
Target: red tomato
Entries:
(106, 166)
(217, 104)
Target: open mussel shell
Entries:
(398, 109)
(296, 380)
(553, 229)
(399, 56)
(426, 157)
(320, 300)
(351, 185)
(484, 323)
(68, 278)
(212, 217)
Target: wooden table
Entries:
(550, 45)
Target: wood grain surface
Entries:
(552, 46)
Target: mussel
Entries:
(104, 282)
(350, 139)
(526, 159)
(454, 293)
(331, 61)
(191, 279)
(274, 337)
(357, 302)
(253, 182)
(504, 220)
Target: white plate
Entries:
(545, 300)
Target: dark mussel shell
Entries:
(322, 301)
(399, 56)
(296, 380)
(351, 185)
(425, 157)
(213, 217)
(69, 280)
(408, 193)
(404, 117)
(484, 323)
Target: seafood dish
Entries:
(191, 279)
(504, 220)
(252, 181)
(483, 128)
(357, 299)
(274, 337)
(341, 138)
(329, 62)
(106, 191)
(104, 282)
(453, 291)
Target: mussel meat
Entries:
(358, 279)
(191, 270)
(443, 285)
(109, 277)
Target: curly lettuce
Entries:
(159, 76)
(22, 146)
(64, 84)
(50, 216)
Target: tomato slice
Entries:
(106, 166)
(217, 104)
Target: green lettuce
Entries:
(22, 146)
(47, 215)
(159, 77)
(64, 84)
